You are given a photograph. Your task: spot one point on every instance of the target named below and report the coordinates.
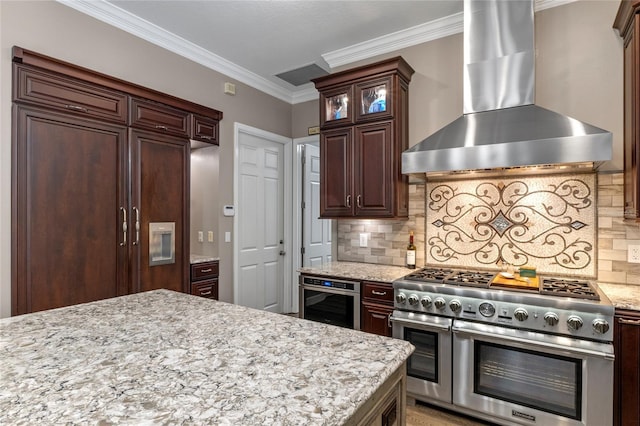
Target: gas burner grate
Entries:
(568, 288)
(429, 275)
(470, 279)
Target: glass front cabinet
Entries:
(363, 131)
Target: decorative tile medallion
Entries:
(547, 221)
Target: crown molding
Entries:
(120, 18)
(400, 39)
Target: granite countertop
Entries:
(162, 357)
(198, 258)
(623, 296)
(359, 271)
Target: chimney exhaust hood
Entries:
(501, 127)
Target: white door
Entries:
(316, 233)
(259, 275)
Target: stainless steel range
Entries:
(539, 353)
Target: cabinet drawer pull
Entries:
(206, 137)
(160, 127)
(379, 293)
(205, 293)
(76, 108)
(629, 322)
(206, 270)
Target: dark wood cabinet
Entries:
(88, 180)
(363, 132)
(377, 307)
(627, 22)
(204, 279)
(627, 368)
(68, 189)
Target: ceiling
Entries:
(254, 41)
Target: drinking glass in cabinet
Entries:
(374, 99)
(337, 107)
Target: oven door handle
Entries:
(420, 324)
(501, 338)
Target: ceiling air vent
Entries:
(302, 75)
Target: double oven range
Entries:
(531, 357)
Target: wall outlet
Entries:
(210, 236)
(364, 239)
(200, 236)
(227, 237)
(633, 253)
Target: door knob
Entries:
(282, 252)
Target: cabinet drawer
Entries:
(203, 271)
(204, 129)
(208, 289)
(69, 94)
(159, 117)
(380, 292)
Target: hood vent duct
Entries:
(501, 128)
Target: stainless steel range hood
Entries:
(501, 128)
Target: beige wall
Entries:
(56, 30)
(579, 73)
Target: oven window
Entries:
(330, 308)
(538, 380)
(423, 363)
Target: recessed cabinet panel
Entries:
(159, 118)
(374, 170)
(336, 151)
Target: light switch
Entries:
(227, 237)
(200, 236)
(210, 236)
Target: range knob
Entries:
(401, 298)
(574, 322)
(551, 319)
(600, 326)
(521, 314)
(413, 299)
(440, 303)
(426, 301)
(455, 305)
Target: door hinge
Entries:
(302, 250)
(303, 205)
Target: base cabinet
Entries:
(204, 279)
(377, 307)
(627, 368)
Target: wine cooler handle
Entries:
(124, 227)
(137, 240)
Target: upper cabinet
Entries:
(364, 129)
(627, 22)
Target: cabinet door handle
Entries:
(348, 200)
(358, 199)
(160, 127)
(76, 108)
(124, 227)
(628, 322)
(137, 241)
(379, 293)
(389, 320)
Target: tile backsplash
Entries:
(575, 220)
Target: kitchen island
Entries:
(162, 357)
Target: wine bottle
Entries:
(411, 252)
